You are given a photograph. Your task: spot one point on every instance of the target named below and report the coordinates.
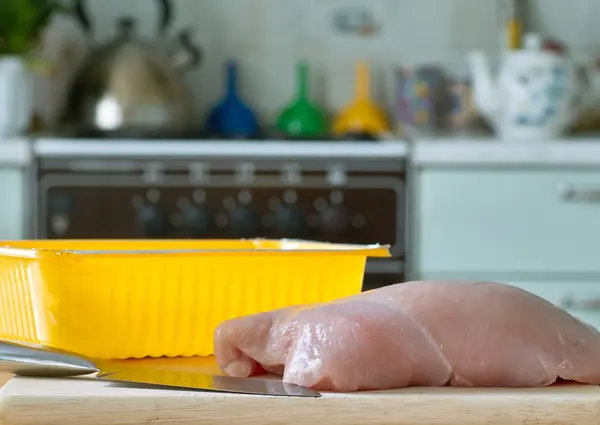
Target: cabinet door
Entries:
(581, 299)
(12, 211)
(511, 220)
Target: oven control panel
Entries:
(351, 201)
(335, 215)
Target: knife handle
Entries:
(36, 360)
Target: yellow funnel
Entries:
(362, 115)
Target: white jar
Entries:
(15, 96)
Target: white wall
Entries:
(268, 36)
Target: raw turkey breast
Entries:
(469, 334)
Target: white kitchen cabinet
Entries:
(580, 298)
(12, 198)
(513, 220)
(537, 228)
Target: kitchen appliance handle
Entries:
(82, 16)
(195, 52)
(166, 15)
(571, 193)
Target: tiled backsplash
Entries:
(267, 37)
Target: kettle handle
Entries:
(166, 15)
(195, 52)
(82, 16)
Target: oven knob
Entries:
(59, 223)
(244, 221)
(61, 203)
(289, 222)
(61, 208)
(153, 222)
(334, 220)
(196, 220)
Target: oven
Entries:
(328, 191)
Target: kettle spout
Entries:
(485, 93)
(186, 54)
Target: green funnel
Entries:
(302, 118)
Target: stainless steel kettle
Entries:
(132, 84)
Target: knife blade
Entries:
(215, 383)
(41, 361)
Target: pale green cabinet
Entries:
(536, 228)
(580, 298)
(509, 220)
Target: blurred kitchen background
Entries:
(267, 38)
(464, 133)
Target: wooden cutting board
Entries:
(83, 401)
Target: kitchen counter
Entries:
(15, 152)
(49, 147)
(582, 152)
(437, 151)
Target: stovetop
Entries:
(197, 134)
(190, 149)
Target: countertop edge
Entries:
(432, 152)
(15, 152)
(491, 152)
(49, 147)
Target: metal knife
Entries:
(41, 361)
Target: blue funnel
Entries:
(231, 117)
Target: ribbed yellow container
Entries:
(117, 299)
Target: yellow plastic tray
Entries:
(117, 299)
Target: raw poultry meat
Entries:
(469, 334)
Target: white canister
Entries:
(16, 106)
